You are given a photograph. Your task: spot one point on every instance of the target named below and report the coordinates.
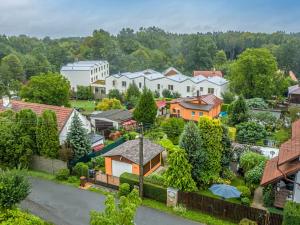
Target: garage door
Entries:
(119, 167)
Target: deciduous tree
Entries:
(108, 104)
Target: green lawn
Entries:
(87, 106)
(188, 214)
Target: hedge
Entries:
(291, 213)
(151, 191)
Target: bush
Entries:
(224, 107)
(245, 201)
(254, 175)
(98, 161)
(14, 187)
(249, 160)
(81, 169)
(228, 97)
(268, 195)
(179, 209)
(155, 179)
(62, 174)
(152, 191)
(232, 133)
(130, 135)
(250, 132)
(246, 221)
(256, 103)
(16, 216)
(124, 189)
(228, 174)
(173, 127)
(291, 213)
(245, 191)
(73, 179)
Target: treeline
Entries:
(150, 47)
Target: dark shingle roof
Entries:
(130, 150)
(118, 115)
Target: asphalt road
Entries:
(66, 205)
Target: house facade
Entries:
(64, 115)
(157, 82)
(294, 94)
(125, 158)
(195, 107)
(283, 171)
(87, 73)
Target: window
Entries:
(96, 90)
(188, 88)
(193, 113)
(96, 70)
(174, 110)
(140, 85)
(158, 86)
(114, 83)
(210, 90)
(91, 72)
(170, 87)
(123, 83)
(201, 88)
(200, 113)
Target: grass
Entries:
(188, 214)
(282, 135)
(86, 105)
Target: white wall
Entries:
(77, 78)
(180, 87)
(297, 188)
(66, 128)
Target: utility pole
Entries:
(141, 156)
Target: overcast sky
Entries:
(60, 18)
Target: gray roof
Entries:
(118, 115)
(196, 106)
(130, 150)
(95, 137)
(294, 90)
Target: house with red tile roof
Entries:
(207, 73)
(161, 107)
(192, 108)
(64, 115)
(283, 171)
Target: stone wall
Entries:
(47, 165)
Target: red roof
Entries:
(287, 162)
(210, 99)
(161, 103)
(62, 113)
(208, 73)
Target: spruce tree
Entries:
(238, 111)
(178, 173)
(47, 135)
(190, 141)
(146, 109)
(78, 139)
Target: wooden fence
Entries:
(227, 210)
(105, 180)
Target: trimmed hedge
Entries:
(151, 191)
(291, 213)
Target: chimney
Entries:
(6, 102)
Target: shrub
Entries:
(245, 191)
(256, 103)
(228, 174)
(232, 133)
(173, 127)
(250, 132)
(16, 216)
(62, 174)
(245, 201)
(249, 160)
(131, 135)
(291, 213)
(81, 169)
(73, 179)
(155, 179)
(228, 97)
(268, 195)
(124, 189)
(98, 161)
(254, 175)
(152, 191)
(179, 209)
(246, 221)
(14, 187)
(224, 107)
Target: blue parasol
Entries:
(225, 191)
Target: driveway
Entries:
(66, 205)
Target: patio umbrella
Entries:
(225, 191)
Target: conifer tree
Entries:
(78, 139)
(178, 173)
(238, 111)
(146, 109)
(132, 95)
(47, 135)
(190, 141)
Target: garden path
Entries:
(258, 199)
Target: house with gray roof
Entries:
(125, 158)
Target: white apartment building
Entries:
(156, 81)
(87, 73)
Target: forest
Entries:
(150, 47)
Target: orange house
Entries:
(125, 158)
(192, 108)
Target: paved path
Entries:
(66, 205)
(258, 199)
